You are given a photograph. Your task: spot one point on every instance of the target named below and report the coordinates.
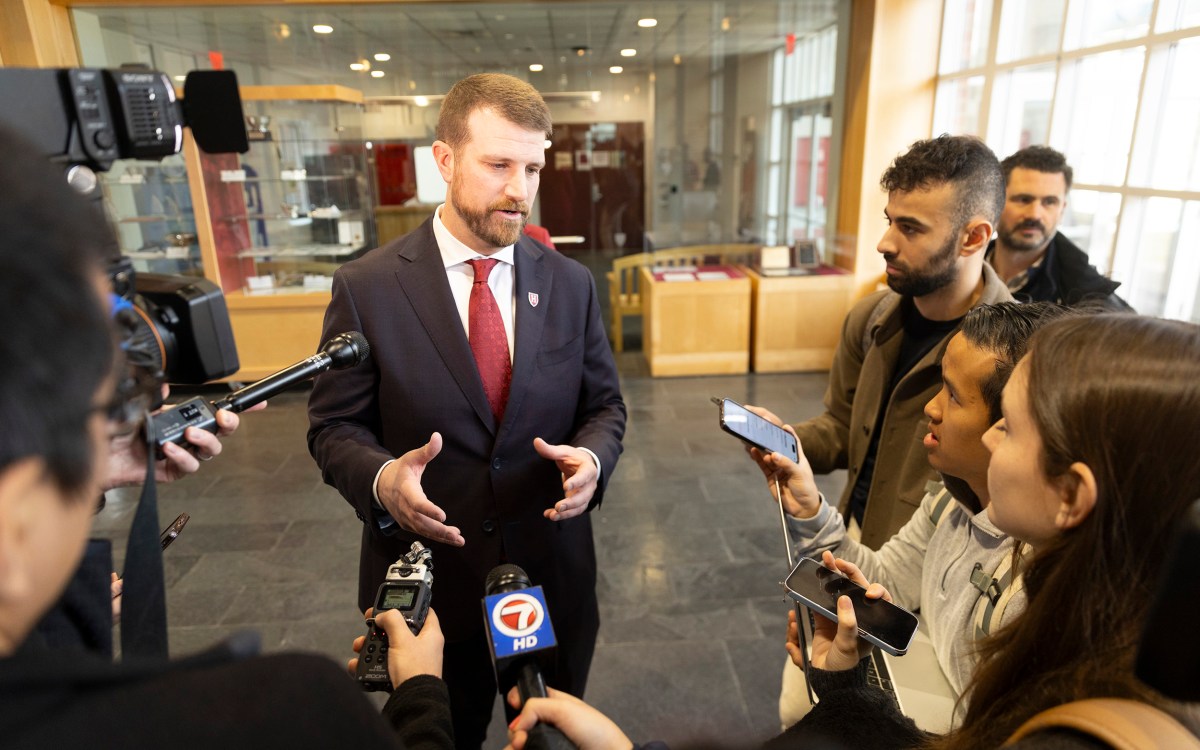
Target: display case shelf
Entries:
(260, 242)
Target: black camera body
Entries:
(92, 117)
(408, 588)
(177, 327)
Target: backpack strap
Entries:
(995, 592)
(1123, 724)
(942, 502)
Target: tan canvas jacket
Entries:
(839, 438)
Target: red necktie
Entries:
(489, 342)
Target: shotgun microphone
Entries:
(341, 351)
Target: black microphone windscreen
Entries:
(347, 349)
(507, 577)
(212, 109)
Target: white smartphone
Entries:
(886, 625)
(740, 422)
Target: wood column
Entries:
(891, 76)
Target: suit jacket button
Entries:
(360, 516)
(489, 526)
(497, 463)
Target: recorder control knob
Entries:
(103, 139)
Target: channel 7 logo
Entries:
(519, 621)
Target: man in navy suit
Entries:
(486, 438)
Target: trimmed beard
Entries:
(485, 224)
(940, 273)
(1011, 240)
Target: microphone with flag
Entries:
(520, 640)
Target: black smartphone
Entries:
(740, 422)
(880, 622)
(168, 535)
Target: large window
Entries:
(1112, 84)
(799, 184)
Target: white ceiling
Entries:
(434, 44)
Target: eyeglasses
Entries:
(126, 409)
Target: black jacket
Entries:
(1067, 277)
(55, 698)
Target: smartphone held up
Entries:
(881, 623)
(752, 429)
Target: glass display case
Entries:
(274, 223)
(288, 212)
(150, 206)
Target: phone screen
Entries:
(882, 623)
(745, 424)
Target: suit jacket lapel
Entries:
(422, 276)
(532, 288)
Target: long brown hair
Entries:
(1120, 393)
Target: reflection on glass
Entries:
(956, 109)
(1183, 296)
(1091, 23)
(966, 27)
(1146, 252)
(1177, 14)
(1020, 111)
(1093, 122)
(808, 183)
(1028, 28)
(150, 205)
(1090, 221)
(1166, 155)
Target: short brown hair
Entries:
(513, 99)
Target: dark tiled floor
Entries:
(688, 541)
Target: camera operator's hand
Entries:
(580, 478)
(408, 655)
(127, 453)
(583, 725)
(801, 498)
(836, 645)
(401, 495)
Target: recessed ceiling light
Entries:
(180, 78)
(628, 52)
(421, 101)
(595, 96)
(536, 67)
(677, 59)
(616, 69)
(323, 28)
(647, 23)
(725, 23)
(377, 74)
(412, 85)
(382, 56)
(357, 66)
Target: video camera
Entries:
(177, 327)
(408, 588)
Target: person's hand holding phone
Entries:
(797, 488)
(836, 645)
(771, 417)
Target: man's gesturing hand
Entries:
(401, 495)
(580, 477)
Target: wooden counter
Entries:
(697, 327)
(797, 320)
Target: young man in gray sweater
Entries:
(948, 560)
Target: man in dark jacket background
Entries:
(1037, 262)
